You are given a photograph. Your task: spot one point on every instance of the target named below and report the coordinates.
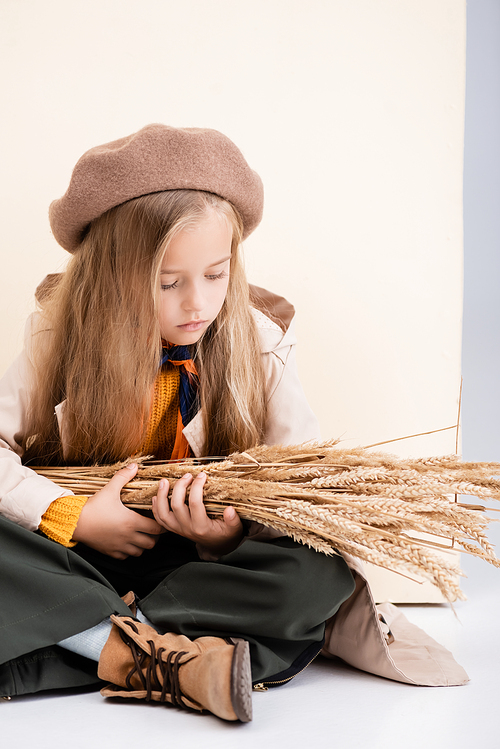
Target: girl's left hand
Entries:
(219, 536)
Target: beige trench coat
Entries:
(377, 639)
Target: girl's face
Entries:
(194, 275)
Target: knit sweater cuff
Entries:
(61, 518)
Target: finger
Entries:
(161, 509)
(148, 525)
(231, 518)
(118, 555)
(144, 541)
(199, 517)
(133, 551)
(160, 503)
(178, 500)
(123, 476)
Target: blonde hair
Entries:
(104, 348)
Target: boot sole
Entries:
(241, 681)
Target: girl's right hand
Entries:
(106, 525)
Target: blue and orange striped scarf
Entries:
(189, 405)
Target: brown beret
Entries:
(155, 159)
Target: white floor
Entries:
(329, 705)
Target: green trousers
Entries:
(277, 595)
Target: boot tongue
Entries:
(140, 660)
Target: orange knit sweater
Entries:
(61, 518)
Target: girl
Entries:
(151, 342)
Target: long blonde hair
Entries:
(98, 345)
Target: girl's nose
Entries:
(194, 299)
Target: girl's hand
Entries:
(191, 520)
(105, 524)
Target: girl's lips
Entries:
(191, 326)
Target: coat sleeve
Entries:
(24, 496)
(290, 419)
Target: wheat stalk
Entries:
(334, 500)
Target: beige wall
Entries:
(352, 112)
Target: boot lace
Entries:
(147, 667)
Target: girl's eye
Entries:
(222, 274)
(214, 277)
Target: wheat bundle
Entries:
(368, 504)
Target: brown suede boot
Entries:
(203, 674)
(131, 601)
